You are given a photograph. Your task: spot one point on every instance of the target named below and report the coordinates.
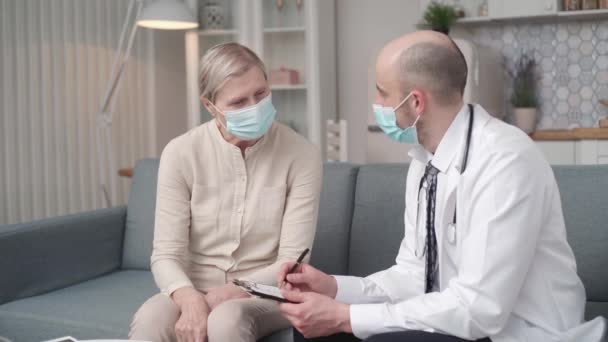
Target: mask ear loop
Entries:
(403, 101)
(222, 113)
(416, 121)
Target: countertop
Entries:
(570, 134)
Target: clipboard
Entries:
(261, 290)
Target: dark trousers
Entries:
(399, 336)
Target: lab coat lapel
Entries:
(446, 159)
(445, 213)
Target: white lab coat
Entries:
(506, 270)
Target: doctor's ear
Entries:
(418, 103)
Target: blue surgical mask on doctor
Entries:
(387, 120)
(252, 122)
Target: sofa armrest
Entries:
(49, 254)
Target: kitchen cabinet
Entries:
(521, 8)
(499, 9)
(558, 152)
(578, 152)
(592, 152)
(518, 10)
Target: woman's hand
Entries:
(192, 323)
(217, 295)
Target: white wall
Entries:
(55, 60)
(362, 28)
(170, 86)
(53, 72)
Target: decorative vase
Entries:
(572, 5)
(525, 119)
(213, 16)
(589, 4)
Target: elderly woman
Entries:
(237, 197)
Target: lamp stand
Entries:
(105, 151)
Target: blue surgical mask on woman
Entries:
(387, 120)
(252, 122)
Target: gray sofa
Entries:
(85, 275)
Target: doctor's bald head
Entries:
(424, 60)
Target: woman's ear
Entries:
(208, 106)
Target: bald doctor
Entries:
(485, 255)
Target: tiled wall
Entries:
(573, 62)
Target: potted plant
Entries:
(440, 16)
(524, 97)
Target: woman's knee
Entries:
(231, 321)
(155, 320)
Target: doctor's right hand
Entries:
(307, 279)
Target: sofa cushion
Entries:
(99, 308)
(139, 231)
(584, 193)
(378, 218)
(330, 248)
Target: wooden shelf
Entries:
(588, 14)
(207, 33)
(473, 20)
(571, 134)
(288, 87)
(566, 15)
(275, 30)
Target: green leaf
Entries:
(440, 16)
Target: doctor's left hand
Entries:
(315, 315)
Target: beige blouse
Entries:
(220, 215)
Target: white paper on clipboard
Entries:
(63, 339)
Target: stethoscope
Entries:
(451, 231)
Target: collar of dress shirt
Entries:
(449, 146)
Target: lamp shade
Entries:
(167, 15)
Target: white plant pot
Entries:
(525, 119)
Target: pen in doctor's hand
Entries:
(295, 266)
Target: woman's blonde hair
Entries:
(222, 62)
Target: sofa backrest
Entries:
(330, 248)
(360, 222)
(584, 193)
(139, 230)
(330, 251)
(377, 228)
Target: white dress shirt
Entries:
(506, 270)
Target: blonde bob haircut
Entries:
(222, 62)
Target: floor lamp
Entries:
(155, 14)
